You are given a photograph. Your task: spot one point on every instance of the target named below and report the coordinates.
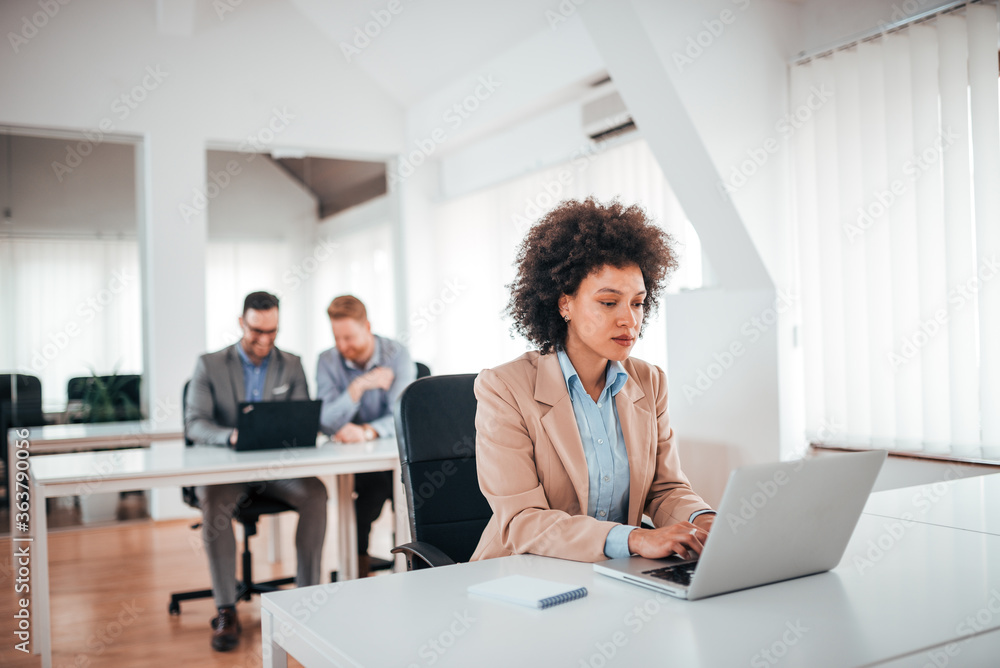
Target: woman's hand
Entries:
(684, 539)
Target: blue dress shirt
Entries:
(254, 375)
(604, 447)
(334, 374)
(607, 458)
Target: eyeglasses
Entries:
(262, 332)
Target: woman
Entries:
(573, 441)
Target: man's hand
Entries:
(684, 539)
(232, 437)
(379, 378)
(350, 433)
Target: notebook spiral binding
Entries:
(563, 598)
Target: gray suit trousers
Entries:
(218, 502)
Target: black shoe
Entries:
(227, 630)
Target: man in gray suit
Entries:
(251, 370)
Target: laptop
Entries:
(272, 425)
(775, 522)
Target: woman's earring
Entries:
(566, 318)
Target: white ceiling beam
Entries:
(657, 108)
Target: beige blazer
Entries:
(533, 471)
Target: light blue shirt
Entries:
(254, 375)
(604, 447)
(334, 374)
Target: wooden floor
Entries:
(111, 586)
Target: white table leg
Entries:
(40, 576)
(273, 654)
(347, 530)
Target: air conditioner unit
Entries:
(606, 116)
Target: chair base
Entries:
(243, 591)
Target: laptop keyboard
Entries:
(680, 574)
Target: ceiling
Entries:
(337, 184)
(428, 43)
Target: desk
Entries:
(888, 597)
(972, 504)
(54, 438)
(975, 651)
(122, 470)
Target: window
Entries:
(475, 240)
(898, 213)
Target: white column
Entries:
(173, 232)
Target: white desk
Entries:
(879, 604)
(976, 651)
(53, 438)
(972, 504)
(122, 470)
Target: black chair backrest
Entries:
(423, 370)
(26, 409)
(436, 435)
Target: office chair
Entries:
(20, 406)
(377, 563)
(248, 515)
(436, 435)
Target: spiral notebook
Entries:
(528, 591)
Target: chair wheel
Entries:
(174, 608)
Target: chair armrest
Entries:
(426, 552)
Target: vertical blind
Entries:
(897, 185)
(72, 308)
(475, 242)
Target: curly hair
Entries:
(568, 244)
